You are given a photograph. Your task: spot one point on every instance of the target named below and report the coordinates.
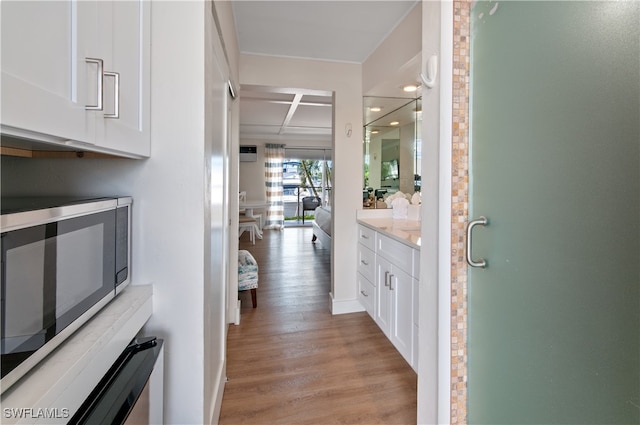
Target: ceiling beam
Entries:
(292, 110)
(248, 88)
(286, 102)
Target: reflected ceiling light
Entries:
(410, 88)
(375, 109)
(374, 132)
(394, 123)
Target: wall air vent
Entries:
(248, 153)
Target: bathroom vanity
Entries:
(388, 277)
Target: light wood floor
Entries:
(291, 362)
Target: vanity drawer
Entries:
(399, 254)
(366, 262)
(366, 294)
(367, 237)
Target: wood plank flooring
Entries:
(291, 362)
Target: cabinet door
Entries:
(383, 295)
(125, 46)
(44, 76)
(401, 290)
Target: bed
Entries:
(322, 226)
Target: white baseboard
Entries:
(344, 306)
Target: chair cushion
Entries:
(247, 271)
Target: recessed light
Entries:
(375, 109)
(394, 123)
(410, 88)
(374, 132)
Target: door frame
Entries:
(440, 312)
(443, 313)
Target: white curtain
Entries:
(273, 180)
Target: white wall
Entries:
(172, 215)
(402, 45)
(345, 81)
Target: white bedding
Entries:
(323, 219)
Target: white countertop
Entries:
(405, 231)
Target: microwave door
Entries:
(52, 274)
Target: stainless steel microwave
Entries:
(63, 259)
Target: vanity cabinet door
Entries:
(394, 306)
(383, 296)
(401, 298)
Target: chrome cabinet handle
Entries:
(364, 236)
(364, 293)
(99, 85)
(364, 262)
(386, 278)
(116, 94)
(481, 263)
(391, 282)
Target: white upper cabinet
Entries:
(42, 90)
(127, 62)
(58, 57)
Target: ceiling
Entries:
(344, 31)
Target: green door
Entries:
(554, 317)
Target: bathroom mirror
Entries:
(392, 145)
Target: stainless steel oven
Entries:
(63, 259)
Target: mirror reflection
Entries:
(391, 147)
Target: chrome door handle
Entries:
(99, 84)
(116, 94)
(386, 278)
(481, 263)
(391, 282)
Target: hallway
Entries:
(290, 361)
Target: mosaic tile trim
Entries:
(460, 209)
